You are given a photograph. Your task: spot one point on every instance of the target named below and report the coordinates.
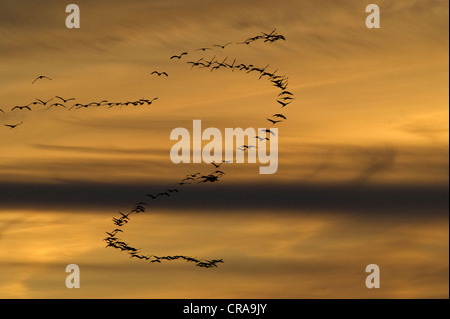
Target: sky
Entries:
(363, 155)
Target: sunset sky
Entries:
(363, 167)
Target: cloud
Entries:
(375, 161)
(416, 201)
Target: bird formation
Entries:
(113, 241)
(266, 37)
(285, 97)
(62, 103)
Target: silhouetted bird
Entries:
(119, 222)
(285, 93)
(20, 108)
(209, 178)
(283, 104)
(44, 103)
(198, 63)
(40, 78)
(149, 102)
(222, 46)
(65, 100)
(142, 203)
(273, 121)
(246, 147)
(159, 73)
(280, 116)
(34, 103)
(203, 49)
(12, 126)
(268, 131)
(163, 194)
(262, 138)
(178, 56)
(78, 105)
(124, 216)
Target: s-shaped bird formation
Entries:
(284, 96)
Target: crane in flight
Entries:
(40, 77)
(159, 73)
(178, 56)
(12, 126)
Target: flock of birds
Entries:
(61, 102)
(112, 239)
(284, 98)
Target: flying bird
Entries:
(159, 73)
(285, 93)
(198, 63)
(149, 102)
(280, 116)
(222, 46)
(65, 100)
(203, 49)
(12, 126)
(262, 138)
(34, 103)
(40, 78)
(273, 121)
(283, 104)
(220, 164)
(268, 131)
(44, 103)
(124, 216)
(163, 194)
(179, 56)
(246, 147)
(21, 108)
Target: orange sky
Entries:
(363, 156)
